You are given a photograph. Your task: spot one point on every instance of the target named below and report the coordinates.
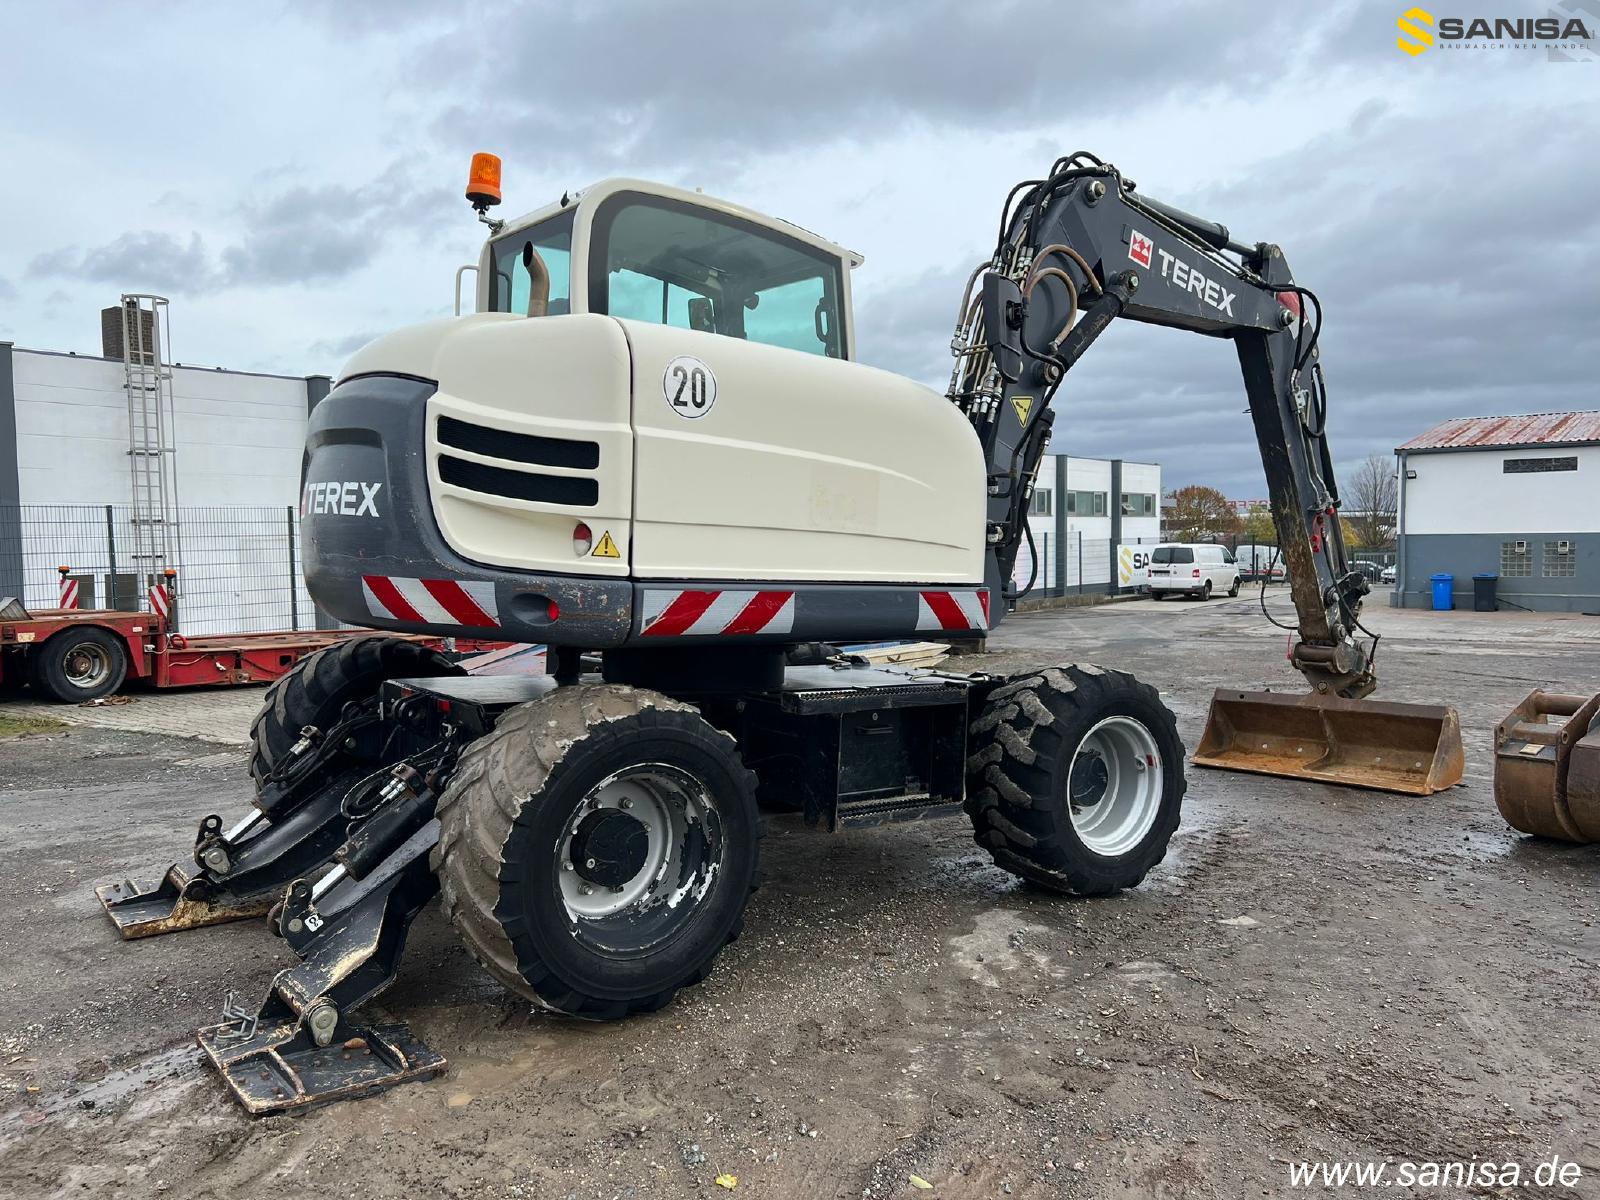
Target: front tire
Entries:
(1075, 779)
(321, 684)
(80, 664)
(597, 849)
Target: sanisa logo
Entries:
(1558, 31)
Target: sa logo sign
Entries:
(1133, 563)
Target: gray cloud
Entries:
(299, 235)
(159, 261)
(643, 85)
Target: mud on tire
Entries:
(321, 684)
(1023, 751)
(508, 858)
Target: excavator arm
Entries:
(1081, 248)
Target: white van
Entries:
(1192, 570)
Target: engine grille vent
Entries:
(519, 485)
(519, 447)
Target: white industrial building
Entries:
(1517, 497)
(122, 465)
(1083, 510)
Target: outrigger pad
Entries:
(1414, 749)
(142, 908)
(280, 1069)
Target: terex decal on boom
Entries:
(1191, 280)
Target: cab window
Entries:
(669, 263)
(517, 262)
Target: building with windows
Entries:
(1083, 509)
(1514, 496)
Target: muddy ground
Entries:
(1314, 973)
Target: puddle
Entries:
(156, 1074)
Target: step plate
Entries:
(276, 1070)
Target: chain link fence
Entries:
(239, 569)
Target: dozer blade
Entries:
(179, 900)
(1410, 748)
(1547, 767)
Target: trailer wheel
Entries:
(80, 664)
(1075, 778)
(597, 849)
(316, 690)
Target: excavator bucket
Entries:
(1547, 767)
(1410, 748)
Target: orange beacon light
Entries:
(483, 182)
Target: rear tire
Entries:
(1042, 741)
(1234, 590)
(597, 849)
(80, 664)
(317, 689)
(1205, 591)
(1158, 595)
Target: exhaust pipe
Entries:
(1413, 749)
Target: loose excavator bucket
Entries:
(1547, 767)
(1410, 748)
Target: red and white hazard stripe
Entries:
(953, 610)
(671, 613)
(160, 600)
(69, 593)
(432, 601)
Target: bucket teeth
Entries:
(1413, 749)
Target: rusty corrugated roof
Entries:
(1534, 429)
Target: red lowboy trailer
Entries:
(74, 655)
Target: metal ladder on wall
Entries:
(152, 455)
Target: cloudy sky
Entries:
(290, 174)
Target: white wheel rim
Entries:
(669, 803)
(1114, 786)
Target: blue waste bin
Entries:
(1443, 593)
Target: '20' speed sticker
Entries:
(689, 386)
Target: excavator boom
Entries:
(1081, 248)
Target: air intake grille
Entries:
(519, 447)
(518, 485)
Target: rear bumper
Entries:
(373, 553)
(1177, 585)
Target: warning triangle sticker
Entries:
(1023, 405)
(607, 548)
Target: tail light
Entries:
(1195, 572)
(582, 539)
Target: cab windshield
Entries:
(669, 263)
(517, 270)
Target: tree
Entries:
(1371, 501)
(1200, 514)
(1258, 527)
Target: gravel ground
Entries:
(1315, 973)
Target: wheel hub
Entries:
(609, 847)
(1090, 776)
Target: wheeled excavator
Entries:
(650, 450)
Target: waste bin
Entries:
(1444, 593)
(1483, 593)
